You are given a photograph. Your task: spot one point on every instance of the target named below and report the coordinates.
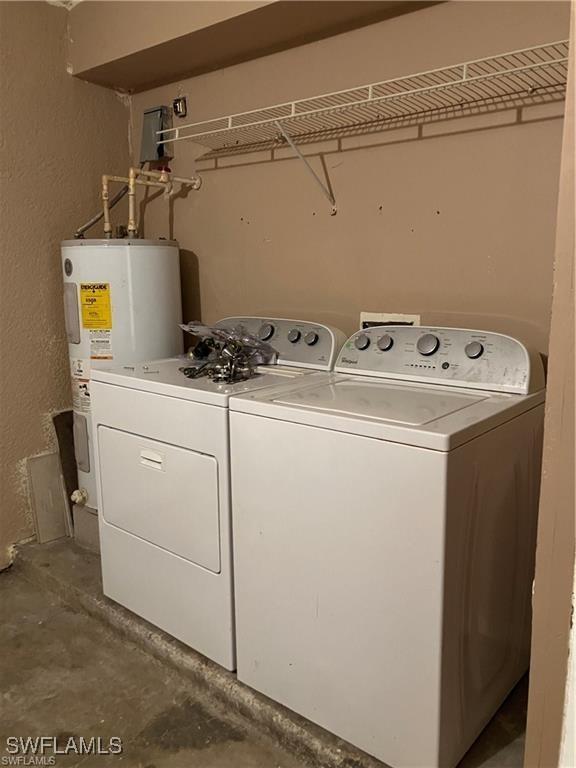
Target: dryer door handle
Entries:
(151, 459)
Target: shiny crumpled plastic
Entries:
(226, 355)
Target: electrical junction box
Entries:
(155, 119)
(371, 319)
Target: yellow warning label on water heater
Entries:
(96, 306)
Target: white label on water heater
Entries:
(81, 394)
(80, 373)
(80, 367)
(101, 345)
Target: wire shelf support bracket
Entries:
(325, 190)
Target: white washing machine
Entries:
(162, 459)
(384, 534)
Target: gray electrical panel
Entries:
(155, 119)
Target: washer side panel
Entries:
(493, 494)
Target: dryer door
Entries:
(162, 493)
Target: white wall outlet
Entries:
(370, 319)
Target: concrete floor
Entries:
(67, 674)
(63, 672)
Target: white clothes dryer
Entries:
(384, 557)
(162, 458)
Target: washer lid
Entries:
(422, 415)
(381, 401)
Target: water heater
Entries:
(122, 305)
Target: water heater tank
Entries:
(122, 305)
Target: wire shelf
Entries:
(516, 77)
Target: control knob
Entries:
(362, 341)
(428, 344)
(474, 350)
(266, 331)
(385, 342)
(294, 335)
(311, 338)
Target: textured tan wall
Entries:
(58, 135)
(554, 582)
(458, 224)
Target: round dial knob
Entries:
(294, 335)
(474, 350)
(385, 342)
(428, 344)
(362, 341)
(311, 338)
(266, 331)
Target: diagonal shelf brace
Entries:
(325, 190)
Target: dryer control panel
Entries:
(298, 342)
(455, 356)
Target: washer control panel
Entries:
(298, 342)
(456, 356)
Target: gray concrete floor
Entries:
(63, 672)
(501, 744)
